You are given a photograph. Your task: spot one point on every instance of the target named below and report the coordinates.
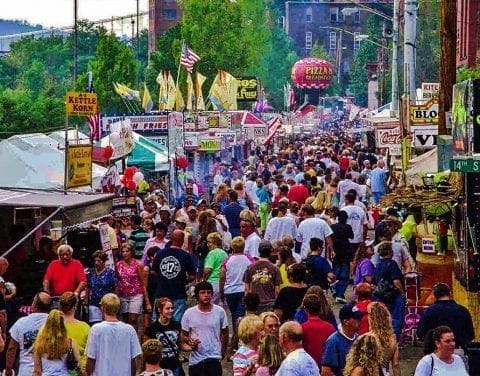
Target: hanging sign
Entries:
(209, 144)
(247, 89)
(424, 113)
(81, 104)
(79, 166)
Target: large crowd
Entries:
(251, 270)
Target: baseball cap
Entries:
(164, 208)
(181, 219)
(369, 242)
(191, 207)
(350, 311)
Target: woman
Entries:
(285, 259)
(168, 332)
(380, 323)
(363, 359)
(222, 226)
(149, 227)
(243, 199)
(221, 197)
(244, 360)
(100, 281)
(326, 313)
(363, 267)
(51, 347)
(290, 297)
(206, 225)
(158, 240)
(117, 226)
(76, 329)
(440, 359)
(270, 356)
(132, 286)
(213, 263)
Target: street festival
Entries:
(220, 235)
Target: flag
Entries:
(133, 95)
(94, 125)
(179, 103)
(190, 93)
(188, 58)
(162, 95)
(198, 91)
(119, 90)
(147, 102)
(171, 92)
(223, 93)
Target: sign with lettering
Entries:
(430, 90)
(209, 144)
(425, 136)
(81, 104)
(465, 165)
(247, 89)
(390, 138)
(140, 123)
(162, 141)
(424, 113)
(191, 140)
(79, 166)
(227, 138)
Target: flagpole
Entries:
(179, 64)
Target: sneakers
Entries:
(341, 300)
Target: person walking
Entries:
(205, 329)
(363, 357)
(378, 182)
(152, 351)
(312, 227)
(213, 264)
(270, 356)
(112, 345)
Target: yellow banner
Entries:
(79, 166)
(209, 145)
(81, 104)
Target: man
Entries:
(166, 218)
(315, 330)
(357, 219)
(174, 268)
(282, 225)
(319, 271)
(445, 311)
(112, 346)
(23, 334)
(205, 328)
(401, 253)
(150, 210)
(252, 240)
(299, 192)
(298, 361)
(107, 223)
(263, 278)
(338, 344)
(232, 213)
(345, 185)
(64, 274)
(138, 236)
(188, 193)
(367, 169)
(289, 171)
(312, 227)
(378, 182)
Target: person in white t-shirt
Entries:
(205, 329)
(252, 240)
(282, 225)
(357, 218)
(112, 346)
(312, 227)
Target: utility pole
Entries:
(448, 37)
(409, 55)
(394, 105)
(75, 42)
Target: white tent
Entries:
(36, 161)
(426, 163)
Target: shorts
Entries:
(131, 304)
(94, 314)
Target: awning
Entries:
(147, 155)
(273, 127)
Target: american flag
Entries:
(94, 124)
(188, 58)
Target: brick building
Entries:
(468, 42)
(162, 15)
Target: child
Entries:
(152, 355)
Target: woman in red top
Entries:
(132, 286)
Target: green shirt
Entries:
(214, 261)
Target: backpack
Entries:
(385, 290)
(314, 275)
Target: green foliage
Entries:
(468, 73)
(428, 41)
(358, 74)
(319, 51)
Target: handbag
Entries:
(70, 361)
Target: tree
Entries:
(358, 75)
(319, 51)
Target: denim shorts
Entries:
(131, 304)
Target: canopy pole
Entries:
(32, 231)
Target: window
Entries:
(334, 14)
(169, 14)
(281, 22)
(308, 15)
(308, 40)
(341, 16)
(356, 41)
(333, 41)
(356, 17)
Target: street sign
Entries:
(465, 165)
(81, 104)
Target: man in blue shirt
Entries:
(378, 182)
(232, 213)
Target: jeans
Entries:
(236, 306)
(179, 306)
(342, 274)
(377, 196)
(397, 311)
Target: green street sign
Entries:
(465, 165)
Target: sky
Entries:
(58, 13)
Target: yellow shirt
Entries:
(78, 331)
(283, 275)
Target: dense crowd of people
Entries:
(251, 273)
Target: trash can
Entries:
(473, 353)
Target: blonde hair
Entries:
(270, 353)
(52, 339)
(238, 244)
(110, 303)
(215, 238)
(248, 327)
(325, 312)
(365, 353)
(380, 323)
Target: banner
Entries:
(140, 123)
(460, 118)
(247, 89)
(210, 144)
(175, 133)
(79, 166)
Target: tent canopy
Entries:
(426, 163)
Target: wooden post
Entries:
(448, 39)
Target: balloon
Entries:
(129, 172)
(114, 138)
(130, 184)
(182, 162)
(312, 73)
(108, 152)
(138, 177)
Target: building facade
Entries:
(467, 33)
(162, 15)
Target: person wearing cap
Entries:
(166, 218)
(338, 344)
(401, 253)
(150, 210)
(181, 224)
(367, 169)
(181, 201)
(192, 222)
(289, 171)
(298, 361)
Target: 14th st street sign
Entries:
(465, 165)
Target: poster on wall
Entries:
(390, 138)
